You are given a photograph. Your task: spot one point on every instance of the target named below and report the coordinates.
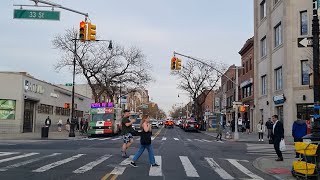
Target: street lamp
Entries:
(74, 121)
(236, 133)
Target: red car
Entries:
(168, 124)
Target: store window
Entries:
(7, 109)
(280, 113)
(45, 109)
(306, 110)
(305, 78)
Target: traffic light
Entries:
(178, 64)
(91, 32)
(173, 63)
(83, 28)
(242, 108)
(66, 105)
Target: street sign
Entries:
(36, 14)
(305, 42)
(68, 84)
(236, 103)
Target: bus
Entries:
(104, 119)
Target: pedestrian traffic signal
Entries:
(173, 63)
(242, 108)
(82, 34)
(178, 64)
(66, 105)
(91, 32)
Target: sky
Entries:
(207, 29)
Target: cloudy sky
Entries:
(208, 29)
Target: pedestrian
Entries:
(77, 123)
(277, 136)
(48, 122)
(68, 125)
(248, 126)
(219, 131)
(85, 126)
(299, 129)
(59, 125)
(261, 129)
(232, 125)
(126, 130)
(269, 125)
(81, 125)
(145, 142)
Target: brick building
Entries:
(228, 91)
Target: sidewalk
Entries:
(64, 135)
(268, 165)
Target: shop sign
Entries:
(36, 88)
(246, 82)
(279, 99)
(102, 105)
(54, 95)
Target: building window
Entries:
(45, 109)
(305, 73)
(243, 70)
(277, 35)
(306, 110)
(278, 78)
(280, 113)
(263, 10)
(263, 43)
(247, 91)
(62, 111)
(303, 23)
(264, 85)
(250, 63)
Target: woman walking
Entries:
(261, 129)
(219, 131)
(145, 141)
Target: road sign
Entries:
(236, 103)
(36, 14)
(305, 42)
(68, 84)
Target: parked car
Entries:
(178, 122)
(191, 126)
(168, 124)
(160, 122)
(136, 127)
(154, 124)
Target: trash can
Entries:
(44, 132)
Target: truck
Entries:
(104, 119)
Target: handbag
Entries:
(282, 145)
(145, 138)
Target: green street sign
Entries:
(68, 84)
(35, 14)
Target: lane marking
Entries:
(156, 171)
(118, 170)
(104, 139)
(176, 139)
(164, 138)
(206, 140)
(114, 177)
(28, 162)
(198, 140)
(215, 166)
(189, 140)
(58, 163)
(152, 138)
(105, 177)
(246, 171)
(8, 153)
(17, 157)
(91, 139)
(188, 167)
(116, 138)
(92, 164)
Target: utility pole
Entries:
(236, 133)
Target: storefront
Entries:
(25, 103)
(278, 101)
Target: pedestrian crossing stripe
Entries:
(152, 138)
(267, 149)
(190, 170)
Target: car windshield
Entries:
(102, 117)
(138, 121)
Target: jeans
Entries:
(141, 150)
(260, 135)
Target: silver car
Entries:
(136, 126)
(154, 124)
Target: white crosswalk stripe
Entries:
(198, 140)
(116, 139)
(28, 162)
(156, 171)
(188, 167)
(206, 140)
(121, 168)
(104, 139)
(235, 163)
(152, 138)
(164, 138)
(189, 140)
(176, 139)
(91, 165)
(267, 149)
(7, 153)
(215, 166)
(58, 163)
(17, 157)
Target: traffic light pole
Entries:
(73, 119)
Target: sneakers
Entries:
(261, 139)
(155, 165)
(133, 164)
(124, 154)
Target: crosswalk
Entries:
(267, 149)
(190, 166)
(152, 138)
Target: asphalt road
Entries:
(182, 155)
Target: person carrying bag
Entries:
(145, 142)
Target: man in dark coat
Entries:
(277, 136)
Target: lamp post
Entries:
(74, 121)
(236, 133)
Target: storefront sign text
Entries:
(28, 86)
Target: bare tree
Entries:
(199, 80)
(105, 70)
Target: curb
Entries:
(255, 165)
